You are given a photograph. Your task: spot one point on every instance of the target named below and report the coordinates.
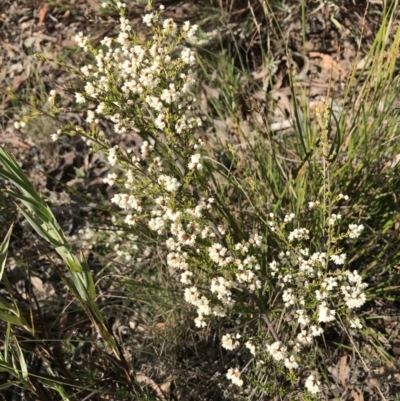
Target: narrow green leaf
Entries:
(40, 228)
(12, 166)
(39, 208)
(6, 385)
(27, 190)
(22, 362)
(7, 342)
(6, 317)
(89, 278)
(4, 250)
(7, 368)
(5, 304)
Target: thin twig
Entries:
(270, 327)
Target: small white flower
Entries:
(355, 230)
(289, 218)
(195, 162)
(304, 338)
(313, 205)
(145, 150)
(299, 234)
(251, 347)
(148, 19)
(130, 219)
(89, 89)
(325, 314)
(185, 277)
(188, 30)
(234, 376)
(188, 56)
(112, 155)
(333, 218)
(302, 317)
(85, 70)
(110, 179)
(82, 41)
(159, 122)
(320, 295)
(312, 384)
(52, 96)
(171, 184)
(169, 95)
(291, 363)
(355, 299)
(277, 350)
(355, 323)
(229, 342)
(338, 259)
(169, 26)
(55, 137)
(316, 331)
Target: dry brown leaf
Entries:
(329, 63)
(314, 104)
(38, 284)
(65, 43)
(11, 49)
(17, 81)
(166, 386)
(210, 91)
(282, 104)
(363, 63)
(14, 141)
(262, 73)
(42, 13)
(343, 370)
(95, 4)
(151, 383)
(356, 396)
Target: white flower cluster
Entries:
(355, 230)
(139, 85)
(144, 87)
(312, 384)
(230, 342)
(308, 278)
(234, 376)
(119, 243)
(138, 71)
(187, 235)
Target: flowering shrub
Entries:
(145, 87)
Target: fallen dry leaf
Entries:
(356, 396)
(38, 284)
(343, 370)
(14, 141)
(42, 13)
(166, 386)
(210, 91)
(329, 63)
(141, 378)
(11, 49)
